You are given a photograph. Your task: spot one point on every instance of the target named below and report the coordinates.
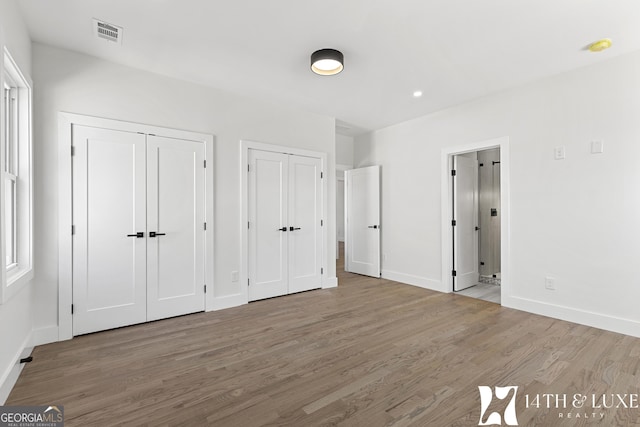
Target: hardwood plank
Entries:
(371, 352)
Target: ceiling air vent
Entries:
(107, 31)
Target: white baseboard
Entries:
(11, 374)
(330, 282)
(228, 301)
(44, 335)
(409, 279)
(595, 320)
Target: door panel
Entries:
(175, 208)
(305, 244)
(363, 221)
(465, 213)
(109, 268)
(268, 245)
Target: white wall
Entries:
(344, 161)
(16, 313)
(72, 82)
(344, 150)
(574, 219)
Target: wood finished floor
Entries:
(369, 353)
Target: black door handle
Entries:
(154, 234)
(294, 228)
(373, 226)
(138, 235)
(282, 229)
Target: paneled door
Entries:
(138, 244)
(362, 236)
(285, 224)
(465, 215)
(175, 224)
(109, 214)
(305, 229)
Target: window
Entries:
(10, 173)
(16, 189)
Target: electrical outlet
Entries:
(235, 276)
(550, 283)
(597, 147)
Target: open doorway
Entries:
(476, 224)
(475, 205)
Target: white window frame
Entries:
(14, 277)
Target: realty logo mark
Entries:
(494, 418)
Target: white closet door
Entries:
(109, 265)
(175, 214)
(268, 224)
(305, 230)
(363, 221)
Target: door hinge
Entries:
(205, 164)
(321, 270)
(453, 172)
(73, 230)
(73, 150)
(205, 289)
(248, 168)
(321, 175)
(248, 225)
(321, 223)
(453, 273)
(71, 308)
(205, 226)
(453, 222)
(248, 282)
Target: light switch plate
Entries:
(559, 153)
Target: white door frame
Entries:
(446, 203)
(245, 146)
(65, 205)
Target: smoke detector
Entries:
(106, 31)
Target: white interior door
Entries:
(268, 224)
(175, 221)
(465, 215)
(109, 260)
(362, 241)
(304, 221)
(340, 209)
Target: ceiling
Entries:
(451, 50)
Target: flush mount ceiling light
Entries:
(327, 62)
(417, 94)
(600, 45)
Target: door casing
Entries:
(66, 121)
(446, 203)
(245, 146)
